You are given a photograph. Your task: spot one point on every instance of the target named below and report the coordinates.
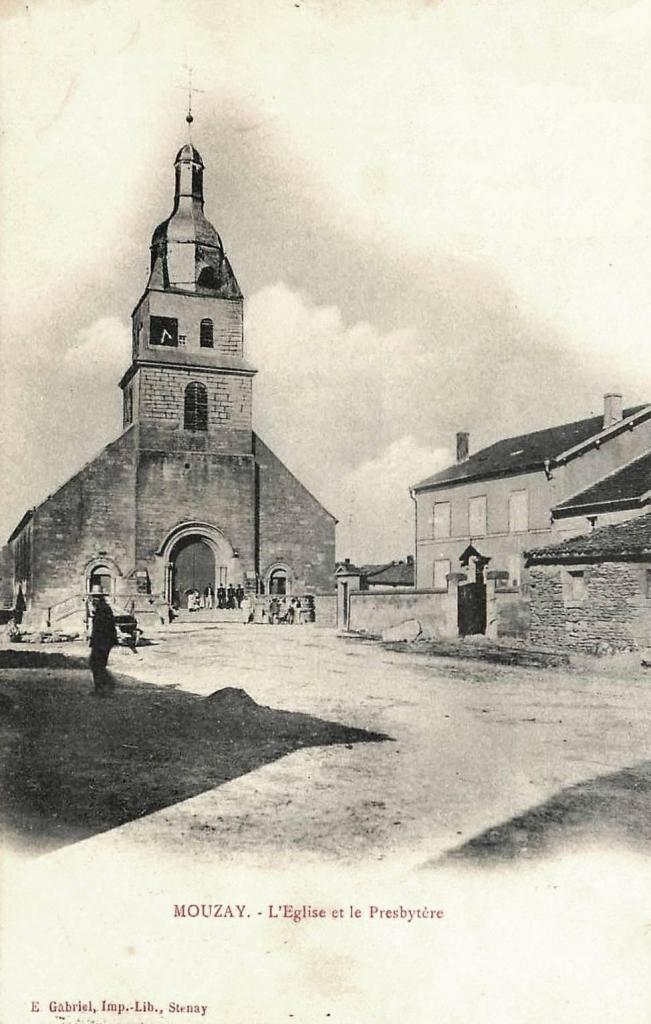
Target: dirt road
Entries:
(473, 745)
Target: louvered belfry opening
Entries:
(195, 413)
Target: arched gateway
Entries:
(195, 556)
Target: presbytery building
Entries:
(188, 497)
(477, 519)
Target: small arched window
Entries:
(279, 582)
(100, 581)
(206, 336)
(195, 411)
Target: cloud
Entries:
(101, 347)
(346, 385)
(336, 402)
(379, 523)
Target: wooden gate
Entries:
(471, 608)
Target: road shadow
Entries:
(73, 764)
(607, 812)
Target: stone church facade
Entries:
(188, 495)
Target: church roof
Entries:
(522, 453)
(188, 152)
(624, 488)
(193, 227)
(628, 540)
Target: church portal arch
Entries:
(196, 556)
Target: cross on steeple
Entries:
(189, 118)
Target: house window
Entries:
(441, 569)
(518, 512)
(206, 334)
(195, 413)
(515, 571)
(477, 516)
(576, 584)
(441, 519)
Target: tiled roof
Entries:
(396, 574)
(624, 488)
(631, 539)
(348, 566)
(521, 453)
(373, 567)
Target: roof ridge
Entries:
(602, 480)
(454, 473)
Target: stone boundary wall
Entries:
(325, 610)
(613, 614)
(371, 611)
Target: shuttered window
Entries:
(477, 516)
(206, 334)
(441, 519)
(195, 413)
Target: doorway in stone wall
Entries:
(193, 568)
(471, 608)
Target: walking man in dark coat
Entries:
(103, 637)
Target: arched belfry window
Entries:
(195, 411)
(206, 334)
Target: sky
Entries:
(439, 214)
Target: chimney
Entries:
(463, 445)
(410, 559)
(613, 411)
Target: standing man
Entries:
(20, 606)
(103, 637)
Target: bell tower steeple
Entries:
(186, 251)
(189, 382)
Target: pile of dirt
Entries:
(231, 698)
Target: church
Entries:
(188, 497)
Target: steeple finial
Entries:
(188, 117)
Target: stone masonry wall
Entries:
(293, 527)
(190, 310)
(6, 577)
(372, 611)
(162, 392)
(178, 487)
(91, 516)
(613, 614)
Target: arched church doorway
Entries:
(195, 556)
(193, 568)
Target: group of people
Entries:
(283, 611)
(280, 610)
(226, 597)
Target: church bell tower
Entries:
(189, 386)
